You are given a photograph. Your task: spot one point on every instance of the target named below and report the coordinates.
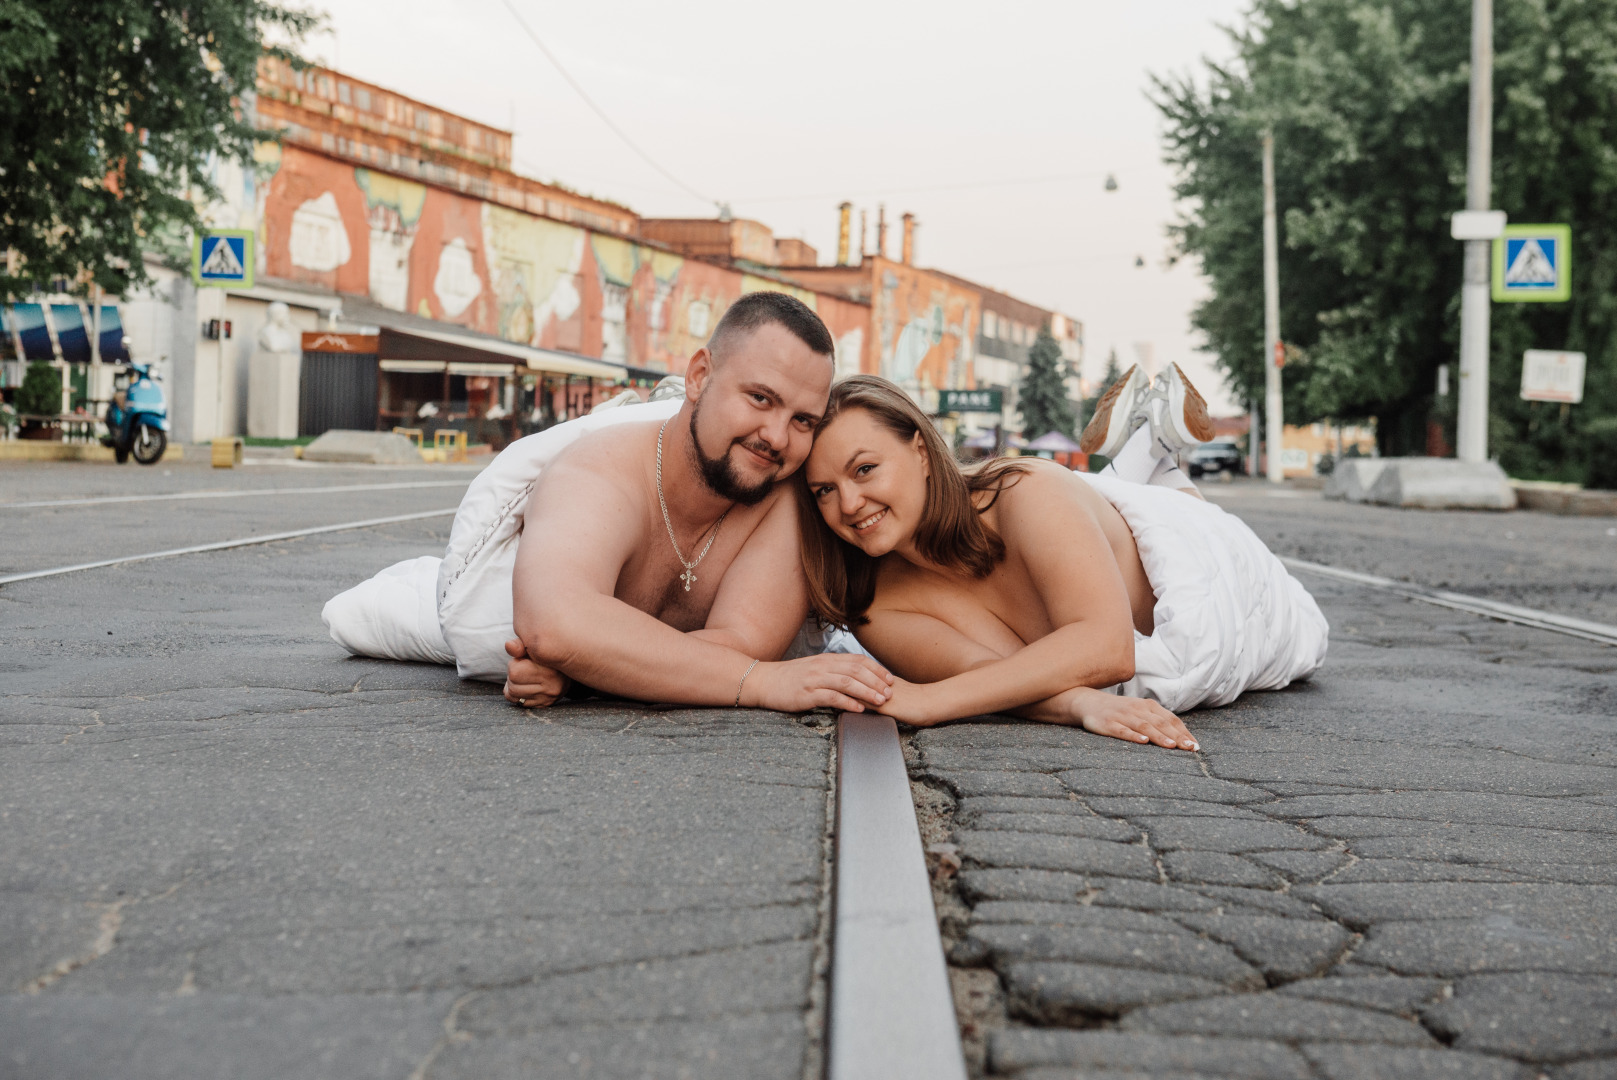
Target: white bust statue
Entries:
(279, 335)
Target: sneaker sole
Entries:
(1197, 423)
(1098, 432)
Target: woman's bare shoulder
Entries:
(1035, 483)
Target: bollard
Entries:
(227, 453)
(450, 444)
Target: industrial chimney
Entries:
(909, 239)
(844, 224)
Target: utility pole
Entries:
(1474, 299)
(1273, 410)
(1253, 440)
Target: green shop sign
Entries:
(985, 401)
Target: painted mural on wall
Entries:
(926, 329)
(445, 256)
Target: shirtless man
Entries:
(659, 560)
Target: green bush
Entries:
(41, 391)
(1600, 453)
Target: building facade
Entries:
(499, 303)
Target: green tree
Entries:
(1108, 377)
(1367, 101)
(1043, 396)
(41, 391)
(111, 115)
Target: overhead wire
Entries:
(600, 112)
(968, 185)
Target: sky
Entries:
(996, 125)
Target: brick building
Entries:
(498, 303)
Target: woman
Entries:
(1023, 587)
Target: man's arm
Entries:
(581, 528)
(763, 599)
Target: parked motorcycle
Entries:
(137, 417)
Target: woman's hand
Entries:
(914, 704)
(1134, 720)
(528, 683)
(845, 681)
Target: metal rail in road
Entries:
(892, 1013)
(1476, 605)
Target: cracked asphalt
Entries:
(229, 849)
(1404, 868)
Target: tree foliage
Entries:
(111, 113)
(1367, 100)
(1043, 396)
(41, 391)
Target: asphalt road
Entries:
(232, 850)
(1567, 565)
(1406, 867)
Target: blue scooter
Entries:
(137, 417)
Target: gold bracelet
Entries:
(743, 682)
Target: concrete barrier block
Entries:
(1568, 500)
(1352, 478)
(365, 447)
(1442, 484)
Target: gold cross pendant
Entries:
(687, 577)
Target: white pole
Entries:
(1253, 439)
(1473, 421)
(1273, 410)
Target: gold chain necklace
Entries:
(689, 576)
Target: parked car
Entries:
(1220, 455)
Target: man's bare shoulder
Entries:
(613, 459)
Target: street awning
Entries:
(406, 337)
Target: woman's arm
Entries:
(1048, 529)
(926, 650)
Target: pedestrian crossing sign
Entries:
(1533, 263)
(223, 257)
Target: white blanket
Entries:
(470, 587)
(1229, 618)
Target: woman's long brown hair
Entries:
(951, 534)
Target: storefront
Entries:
(406, 372)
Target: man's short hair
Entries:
(762, 308)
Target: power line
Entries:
(1010, 182)
(605, 119)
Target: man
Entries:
(643, 554)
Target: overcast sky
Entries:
(995, 124)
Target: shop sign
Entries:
(984, 401)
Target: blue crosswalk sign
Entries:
(1533, 263)
(223, 257)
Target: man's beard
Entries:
(719, 474)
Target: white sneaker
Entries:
(1116, 414)
(1178, 413)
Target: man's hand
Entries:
(530, 684)
(845, 681)
(1134, 720)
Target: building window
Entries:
(342, 93)
(990, 325)
(362, 98)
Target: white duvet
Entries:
(1229, 618)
